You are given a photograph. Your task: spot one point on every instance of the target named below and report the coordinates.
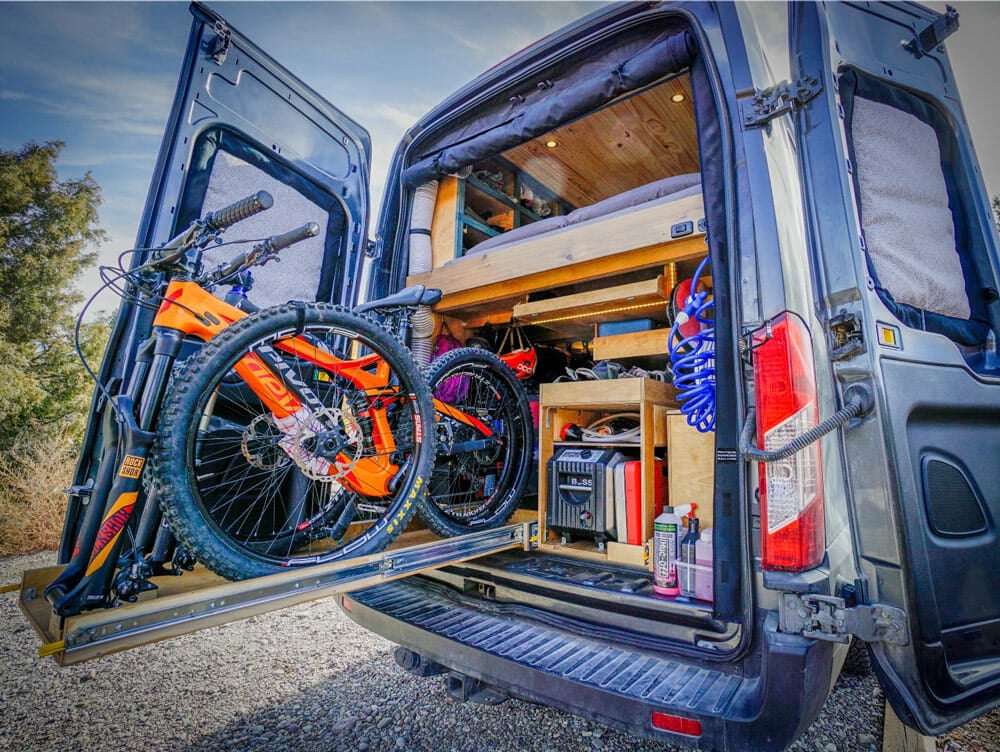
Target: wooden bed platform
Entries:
(481, 285)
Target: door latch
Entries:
(827, 617)
(927, 39)
(847, 338)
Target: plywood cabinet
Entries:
(582, 402)
(691, 467)
(494, 198)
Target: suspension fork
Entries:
(85, 581)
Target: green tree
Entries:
(46, 229)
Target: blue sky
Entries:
(101, 76)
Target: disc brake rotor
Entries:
(328, 446)
(260, 444)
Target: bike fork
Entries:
(94, 563)
(86, 581)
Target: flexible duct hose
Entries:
(422, 345)
(422, 321)
(859, 402)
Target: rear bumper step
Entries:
(606, 682)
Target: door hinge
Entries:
(779, 99)
(220, 45)
(927, 39)
(827, 617)
(846, 336)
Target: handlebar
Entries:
(260, 253)
(278, 242)
(237, 212)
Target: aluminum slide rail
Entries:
(199, 599)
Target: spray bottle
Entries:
(666, 544)
(689, 557)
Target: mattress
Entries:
(664, 191)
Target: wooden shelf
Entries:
(611, 394)
(597, 305)
(581, 402)
(632, 345)
(498, 278)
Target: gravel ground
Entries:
(307, 678)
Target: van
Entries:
(790, 190)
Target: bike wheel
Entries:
(251, 493)
(478, 480)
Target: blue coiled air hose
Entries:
(692, 359)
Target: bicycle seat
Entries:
(409, 296)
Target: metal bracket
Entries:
(827, 617)
(778, 100)
(927, 39)
(83, 490)
(220, 46)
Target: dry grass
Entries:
(33, 474)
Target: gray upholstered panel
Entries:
(297, 275)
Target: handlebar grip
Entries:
(277, 242)
(246, 207)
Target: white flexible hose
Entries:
(421, 217)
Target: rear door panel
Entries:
(241, 123)
(230, 85)
(923, 481)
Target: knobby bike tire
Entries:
(246, 506)
(478, 488)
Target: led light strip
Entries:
(587, 314)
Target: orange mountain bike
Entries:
(295, 435)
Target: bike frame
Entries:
(188, 309)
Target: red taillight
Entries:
(677, 724)
(793, 535)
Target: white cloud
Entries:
(90, 64)
(396, 116)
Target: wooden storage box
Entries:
(582, 402)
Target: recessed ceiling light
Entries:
(678, 98)
(551, 144)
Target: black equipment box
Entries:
(581, 497)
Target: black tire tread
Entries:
(429, 513)
(858, 661)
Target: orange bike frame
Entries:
(191, 309)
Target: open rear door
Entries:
(241, 123)
(904, 257)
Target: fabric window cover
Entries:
(921, 245)
(225, 167)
